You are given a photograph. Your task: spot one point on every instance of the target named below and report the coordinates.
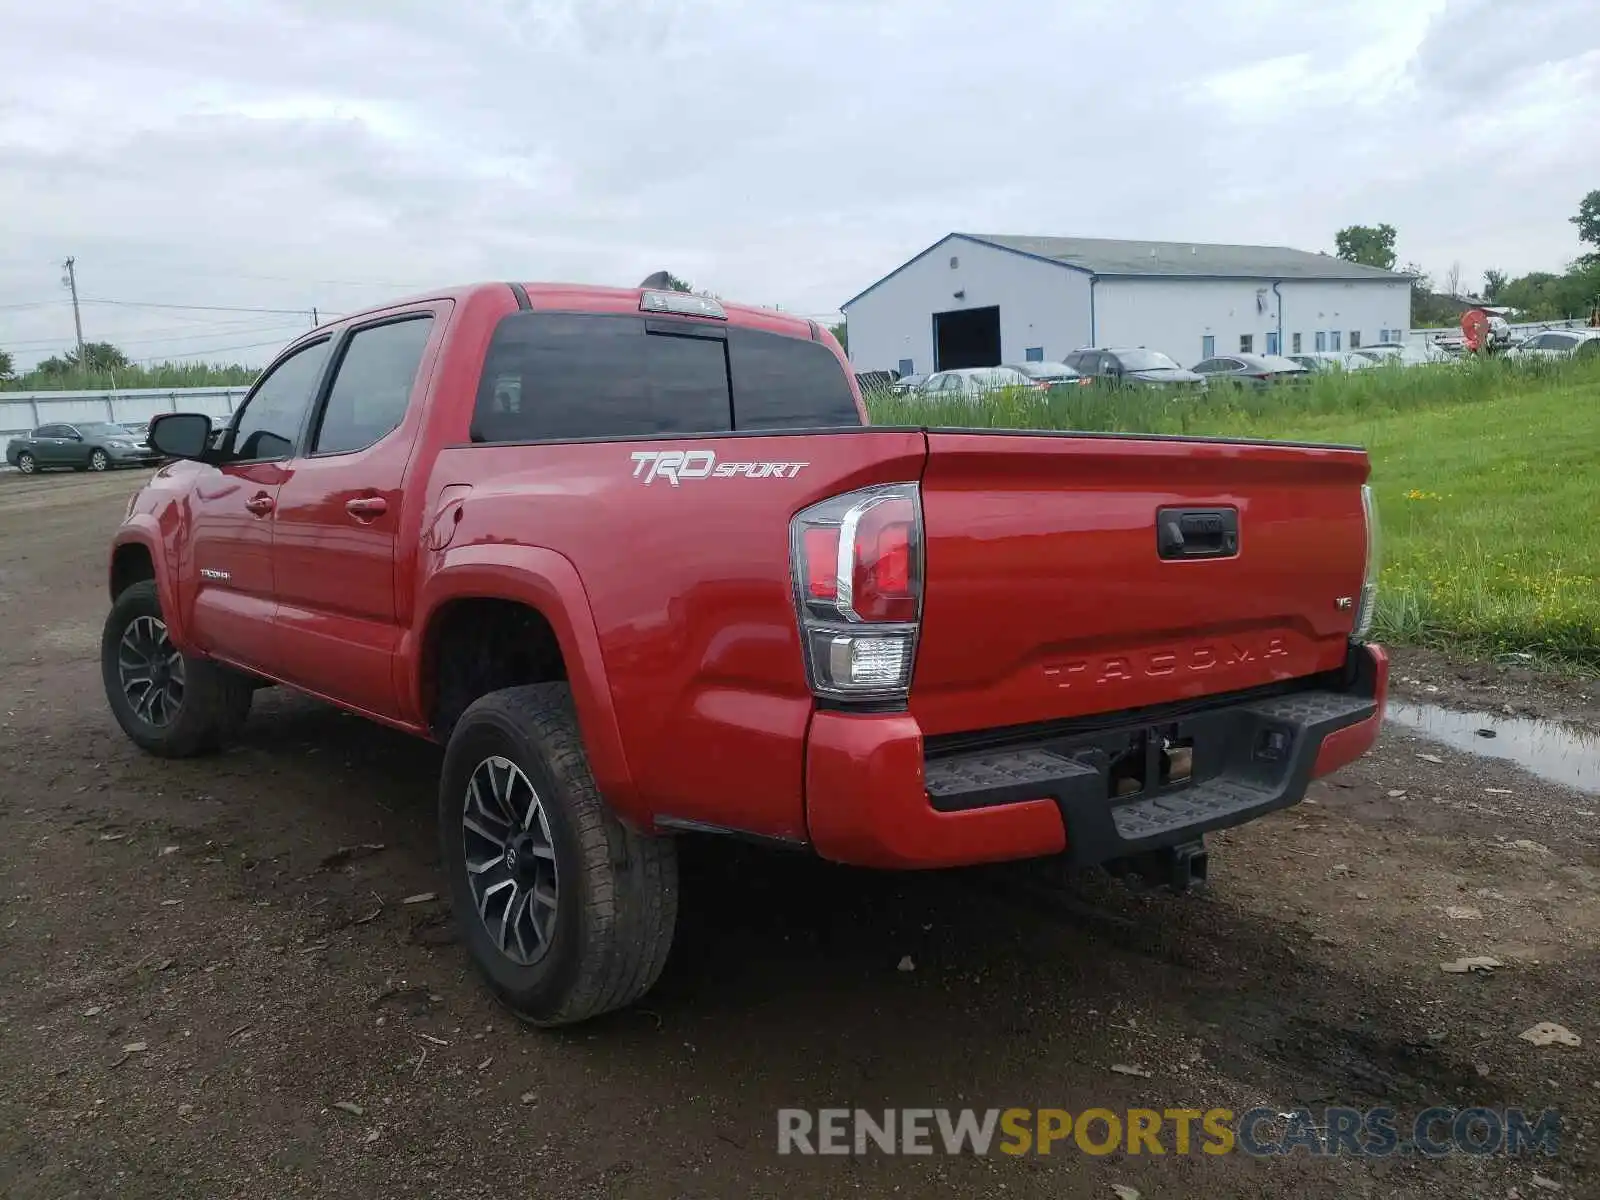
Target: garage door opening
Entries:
(968, 338)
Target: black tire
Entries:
(215, 700)
(26, 463)
(99, 460)
(616, 889)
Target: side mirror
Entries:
(75, 436)
(181, 435)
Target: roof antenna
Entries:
(660, 281)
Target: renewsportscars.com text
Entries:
(1260, 1132)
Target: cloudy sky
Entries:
(290, 154)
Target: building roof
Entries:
(1113, 258)
(1110, 256)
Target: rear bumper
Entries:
(877, 796)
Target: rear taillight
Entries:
(1368, 606)
(857, 563)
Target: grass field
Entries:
(1487, 476)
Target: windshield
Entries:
(1046, 370)
(1146, 360)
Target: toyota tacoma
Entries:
(638, 561)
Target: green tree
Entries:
(1588, 219)
(99, 356)
(8, 367)
(1543, 296)
(1430, 310)
(1494, 282)
(841, 334)
(55, 365)
(1372, 245)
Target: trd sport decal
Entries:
(675, 465)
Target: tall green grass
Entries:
(1487, 477)
(1227, 410)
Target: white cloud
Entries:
(291, 153)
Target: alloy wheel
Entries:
(511, 860)
(150, 669)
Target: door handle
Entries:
(1197, 532)
(260, 505)
(365, 508)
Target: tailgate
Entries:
(1069, 575)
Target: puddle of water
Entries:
(1558, 753)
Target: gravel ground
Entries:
(216, 982)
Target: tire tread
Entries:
(632, 878)
(216, 699)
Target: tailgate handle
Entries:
(1197, 532)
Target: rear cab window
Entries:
(562, 376)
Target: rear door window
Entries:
(559, 376)
(372, 387)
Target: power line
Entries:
(261, 330)
(285, 312)
(370, 283)
(32, 304)
(213, 350)
(184, 333)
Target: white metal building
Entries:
(978, 300)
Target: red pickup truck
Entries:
(638, 560)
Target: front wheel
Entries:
(568, 913)
(167, 702)
(98, 461)
(26, 463)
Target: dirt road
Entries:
(214, 984)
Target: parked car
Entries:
(1558, 343)
(1047, 374)
(907, 384)
(1394, 354)
(1332, 360)
(873, 382)
(1252, 370)
(139, 429)
(1136, 367)
(85, 446)
(634, 600)
(973, 382)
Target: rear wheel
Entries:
(169, 703)
(26, 463)
(568, 913)
(98, 461)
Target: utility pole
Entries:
(314, 321)
(70, 279)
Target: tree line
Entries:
(1536, 296)
(104, 366)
